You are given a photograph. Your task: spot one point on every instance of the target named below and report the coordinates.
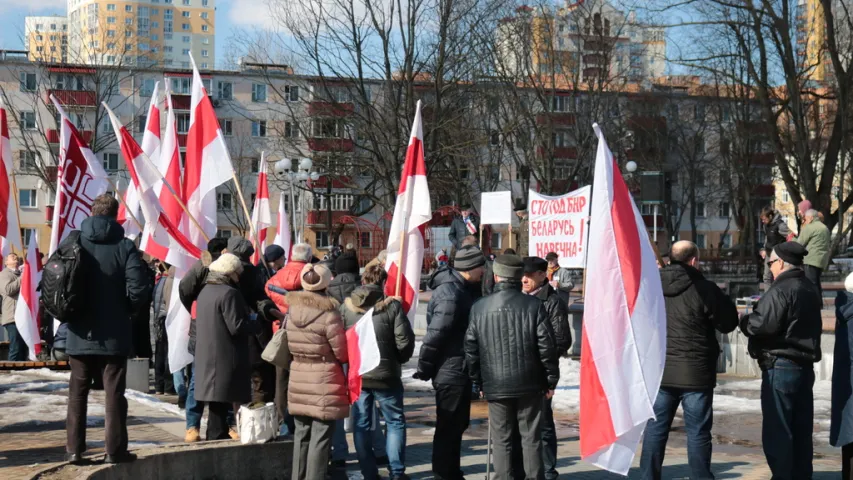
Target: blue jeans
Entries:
(18, 350)
(195, 409)
(340, 448)
(179, 380)
(698, 420)
(787, 406)
(391, 405)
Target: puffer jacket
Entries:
(786, 322)
(10, 287)
(558, 315)
(442, 356)
(775, 232)
(841, 427)
(285, 280)
(393, 334)
(509, 346)
(343, 285)
(695, 307)
(316, 338)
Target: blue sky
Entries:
(229, 19)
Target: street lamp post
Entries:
(283, 168)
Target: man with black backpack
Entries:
(110, 284)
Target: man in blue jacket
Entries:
(100, 336)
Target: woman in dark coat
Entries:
(222, 361)
(841, 429)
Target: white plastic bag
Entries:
(257, 425)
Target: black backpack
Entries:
(62, 278)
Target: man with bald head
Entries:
(695, 308)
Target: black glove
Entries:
(419, 375)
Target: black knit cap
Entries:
(347, 263)
(791, 252)
(535, 264)
(468, 258)
(509, 266)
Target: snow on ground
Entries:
(413, 384)
(31, 398)
(153, 402)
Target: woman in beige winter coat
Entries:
(317, 391)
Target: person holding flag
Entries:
(395, 342)
(10, 287)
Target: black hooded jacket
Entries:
(442, 356)
(695, 308)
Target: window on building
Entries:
(28, 161)
(700, 209)
(225, 125)
(699, 111)
(224, 202)
(291, 130)
(111, 7)
(561, 103)
(183, 121)
(185, 14)
(700, 240)
(259, 128)
(181, 85)
(128, 21)
(700, 178)
(28, 198)
(28, 82)
(185, 64)
(223, 233)
(204, 3)
(326, 128)
(155, 11)
(205, 53)
(323, 240)
(365, 239)
(111, 34)
(111, 19)
(185, 51)
(185, 39)
(204, 15)
(224, 90)
(28, 120)
(725, 210)
(560, 139)
(27, 234)
(186, 2)
(204, 28)
(255, 166)
(205, 41)
(291, 93)
(141, 120)
(259, 92)
(168, 13)
(128, 33)
(128, 8)
(110, 161)
(185, 26)
(785, 197)
(494, 138)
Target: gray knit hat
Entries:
(468, 258)
(509, 266)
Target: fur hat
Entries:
(226, 264)
(321, 270)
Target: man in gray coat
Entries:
(10, 286)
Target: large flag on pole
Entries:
(151, 148)
(80, 178)
(27, 308)
(363, 352)
(144, 175)
(282, 235)
(261, 215)
(412, 212)
(9, 221)
(207, 165)
(624, 325)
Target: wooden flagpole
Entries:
(401, 265)
(127, 209)
(252, 230)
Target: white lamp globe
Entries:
(631, 166)
(302, 176)
(305, 164)
(315, 176)
(283, 166)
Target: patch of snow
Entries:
(41, 408)
(47, 373)
(153, 402)
(418, 345)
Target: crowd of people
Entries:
(496, 329)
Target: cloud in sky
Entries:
(251, 13)
(33, 6)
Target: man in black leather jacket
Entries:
(784, 336)
(510, 350)
(442, 357)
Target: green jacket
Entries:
(816, 238)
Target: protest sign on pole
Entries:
(496, 208)
(558, 224)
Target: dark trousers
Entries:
(18, 350)
(453, 409)
(847, 462)
(787, 406)
(84, 369)
(163, 381)
(282, 377)
(263, 382)
(549, 445)
(312, 445)
(217, 421)
(698, 420)
(813, 273)
(524, 413)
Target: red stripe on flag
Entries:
(596, 422)
(627, 239)
(413, 165)
(201, 133)
(354, 365)
(407, 291)
(5, 187)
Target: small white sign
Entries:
(496, 208)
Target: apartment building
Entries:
(46, 38)
(132, 32)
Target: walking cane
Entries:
(489, 452)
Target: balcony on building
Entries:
(331, 144)
(320, 217)
(569, 153)
(53, 136)
(556, 119)
(73, 98)
(330, 109)
(764, 191)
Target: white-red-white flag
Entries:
(9, 221)
(144, 176)
(261, 214)
(282, 235)
(363, 352)
(151, 148)
(27, 308)
(411, 213)
(624, 325)
(80, 178)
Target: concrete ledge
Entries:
(207, 460)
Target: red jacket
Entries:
(287, 279)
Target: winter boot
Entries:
(192, 435)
